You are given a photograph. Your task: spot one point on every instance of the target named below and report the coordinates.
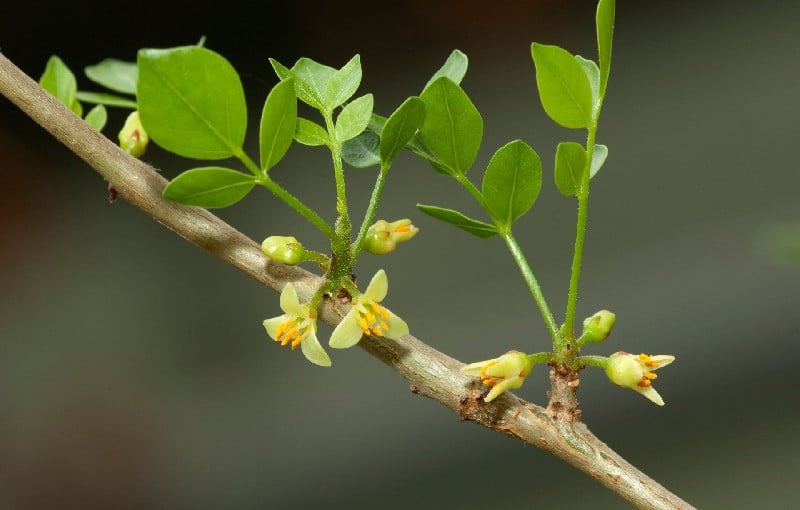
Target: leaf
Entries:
(278, 122)
(363, 150)
(311, 80)
(97, 117)
(474, 227)
(106, 99)
(209, 187)
(455, 67)
(564, 88)
(453, 128)
(59, 81)
(310, 133)
(598, 159)
(117, 75)
(593, 73)
(605, 34)
(400, 128)
(354, 118)
(512, 181)
(343, 83)
(191, 102)
(570, 165)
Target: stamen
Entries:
(647, 360)
(403, 228)
(650, 375)
(363, 323)
(370, 317)
(377, 332)
(384, 312)
(644, 383)
(384, 326)
(296, 342)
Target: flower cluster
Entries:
(298, 325)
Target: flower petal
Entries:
(313, 351)
(651, 394)
(506, 384)
(271, 325)
(348, 332)
(378, 287)
(660, 360)
(397, 327)
(476, 368)
(289, 301)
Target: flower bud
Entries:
(382, 237)
(284, 249)
(597, 327)
(133, 138)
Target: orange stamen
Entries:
(650, 375)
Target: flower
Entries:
(368, 317)
(286, 249)
(597, 327)
(507, 372)
(133, 138)
(382, 237)
(637, 372)
(297, 327)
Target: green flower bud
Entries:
(597, 327)
(284, 249)
(382, 237)
(133, 138)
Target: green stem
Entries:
(533, 285)
(319, 258)
(341, 242)
(580, 237)
(370, 215)
(540, 357)
(473, 190)
(593, 361)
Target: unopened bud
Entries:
(382, 237)
(284, 249)
(597, 327)
(133, 138)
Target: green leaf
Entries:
(209, 187)
(570, 165)
(605, 35)
(343, 83)
(598, 158)
(512, 181)
(354, 118)
(593, 73)
(363, 150)
(191, 102)
(114, 74)
(453, 128)
(310, 133)
(106, 99)
(474, 227)
(278, 121)
(311, 80)
(564, 88)
(455, 67)
(59, 81)
(400, 127)
(97, 117)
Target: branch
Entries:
(429, 372)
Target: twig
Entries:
(429, 372)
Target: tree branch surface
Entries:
(429, 372)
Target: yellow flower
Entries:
(637, 372)
(368, 317)
(382, 236)
(297, 327)
(507, 372)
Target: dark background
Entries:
(134, 372)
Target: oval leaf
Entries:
(474, 227)
(400, 127)
(343, 83)
(114, 74)
(278, 122)
(310, 133)
(453, 128)
(354, 118)
(455, 67)
(191, 102)
(59, 81)
(593, 73)
(564, 88)
(311, 81)
(598, 159)
(106, 99)
(362, 151)
(209, 187)
(605, 35)
(512, 181)
(97, 117)
(570, 165)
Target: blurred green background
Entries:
(134, 371)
